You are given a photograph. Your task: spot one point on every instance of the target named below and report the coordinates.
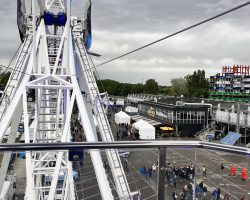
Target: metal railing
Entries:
(162, 146)
(74, 146)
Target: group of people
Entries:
(148, 172)
(186, 191)
(122, 133)
(126, 133)
(77, 131)
(173, 173)
(243, 172)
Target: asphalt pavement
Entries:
(233, 186)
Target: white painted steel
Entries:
(95, 155)
(116, 167)
(51, 65)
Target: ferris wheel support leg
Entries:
(70, 182)
(101, 176)
(60, 154)
(30, 182)
(12, 136)
(95, 154)
(14, 103)
(34, 35)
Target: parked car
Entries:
(123, 153)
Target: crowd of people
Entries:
(77, 131)
(174, 174)
(126, 133)
(183, 173)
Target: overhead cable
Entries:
(176, 33)
(10, 69)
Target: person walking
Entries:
(174, 195)
(125, 164)
(154, 168)
(214, 194)
(218, 194)
(106, 166)
(222, 167)
(182, 196)
(150, 172)
(232, 170)
(174, 180)
(204, 171)
(190, 188)
(185, 190)
(201, 186)
(117, 135)
(243, 174)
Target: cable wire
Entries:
(96, 73)
(178, 32)
(7, 67)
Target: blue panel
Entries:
(61, 19)
(230, 138)
(89, 41)
(48, 18)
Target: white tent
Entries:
(120, 102)
(146, 130)
(122, 118)
(130, 109)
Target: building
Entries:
(233, 84)
(225, 115)
(187, 118)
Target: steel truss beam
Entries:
(51, 64)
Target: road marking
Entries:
(175, 152)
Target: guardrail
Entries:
(162, 146)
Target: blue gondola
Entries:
(61, 19)
(48, 18)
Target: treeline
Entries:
(123, 89)
(192, 85)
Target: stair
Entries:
(15, 76)
(106, 133)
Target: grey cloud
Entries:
(123, 25)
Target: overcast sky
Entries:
(119, 26)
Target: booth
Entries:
(146, 130)
(119, 102)
(122, 118)
(131, 110)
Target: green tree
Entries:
(4, 77)
(178, 87)
(197, 84)
(137, 88)
(164, 90)
(151, 86)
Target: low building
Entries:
(187, 118)
(226, 116)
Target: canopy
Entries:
(130, 109)
(166, 128)
(122, 118)
(231, 138)
(146, 130)
(120, 102)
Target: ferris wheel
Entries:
(54, 65)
